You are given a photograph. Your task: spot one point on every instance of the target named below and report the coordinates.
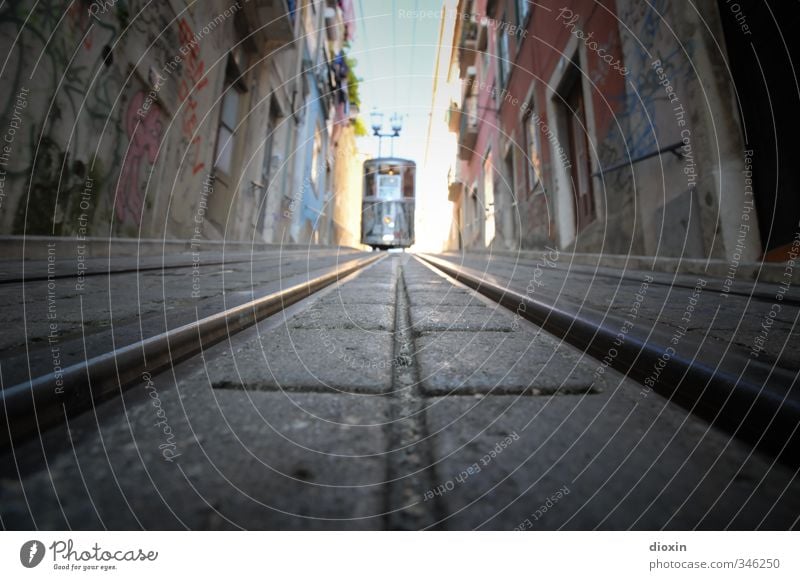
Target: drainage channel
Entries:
(409, 462)
(31, 407)
(755, 412)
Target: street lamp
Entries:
(396, 123)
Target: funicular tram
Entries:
(387, 217)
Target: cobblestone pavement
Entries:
(395, 400)
(746, 319)
(81, 317)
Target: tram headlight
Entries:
(387, 237)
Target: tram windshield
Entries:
(390, 181)
(389, 187)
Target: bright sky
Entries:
(396, 49)
(396, 55)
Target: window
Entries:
(475, 217)
(227, 125)
(408, 181)
(533, 147)
(510, 177)
(524, 154)
(488, 198)
(579, 155)
(316, 158)
(502, 56)
(228, 117)
(523, 7)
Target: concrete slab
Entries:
(362, 293)
(249, 460)
(500, 362)
(613, 461)
(448, 296)
(347, 316)
(463, 318)
(318, 359)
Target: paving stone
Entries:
(449, 296)
(604, 461)
(362, 293)
(335, 360)
(427, 285)
(251, 460)
(346, 316)
(500, 362)
(463, 318)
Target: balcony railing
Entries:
(674, 149)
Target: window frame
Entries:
(234, 86)
(503, 61)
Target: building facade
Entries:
(623, 127)
(175, 119)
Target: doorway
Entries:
(580, 170)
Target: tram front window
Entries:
(389, 187)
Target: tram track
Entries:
(356, 408)
(97, 266)
(685, 281)
(755, 402)
(49, 399)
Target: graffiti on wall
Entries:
(648, 23)
(66, 62)
(86, 88)
(144, 135)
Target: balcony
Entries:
(453, 118)
(468, 46)
(334, 24)
(271, 20)
(468, 133)
(454, 191)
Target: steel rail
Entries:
(752, 411)
(145, 264)
(30, 407)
